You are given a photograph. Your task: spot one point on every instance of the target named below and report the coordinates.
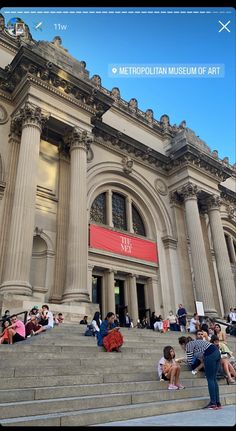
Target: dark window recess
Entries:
(138, 225)
(98, 209)
(119, 211)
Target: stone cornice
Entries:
(189, 156)
(227, 195)
(29, 63)
(129, 145)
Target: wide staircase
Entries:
(62, 378)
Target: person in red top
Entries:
(4, 337)
(16, 330)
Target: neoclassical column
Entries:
(110, 290)
(204, 291)
(128, 203)
(176, 294)
(62, 224)
(221, 253)
(231, 249)
(133, 305)
(76, 288)
(19, 249)
(109, 208)
(90, 280)
(14, 149)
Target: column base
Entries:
(75, 297)
(211, 313)
(16, 287)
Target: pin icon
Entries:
(114, 69)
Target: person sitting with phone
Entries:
(109, 336)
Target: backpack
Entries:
(89, 331)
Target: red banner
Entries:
(127, 245)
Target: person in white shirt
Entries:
(194, 324)
(96, 322)
(46, 320)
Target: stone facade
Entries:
(73, 153)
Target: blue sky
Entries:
(102, 39)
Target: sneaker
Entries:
(218, 406)
(162, 380)
(32, 333)
(210, 406)
(172, 387)
(194, 372)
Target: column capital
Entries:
(189, 191)
(79, 138)
(29, 115)
(214, 202)
(15, 130)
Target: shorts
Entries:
(17, 337)
(164, 377)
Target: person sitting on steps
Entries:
(169, 369)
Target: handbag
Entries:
(89, 331)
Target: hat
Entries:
(35, 307)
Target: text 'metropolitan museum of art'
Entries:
(102, 206)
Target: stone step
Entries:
(51, 392)
(64, 404)
(109, 414)
(56, 369)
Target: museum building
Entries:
(102, 206)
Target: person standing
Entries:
(211, 358)
(182, 318)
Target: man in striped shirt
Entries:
(211, 357)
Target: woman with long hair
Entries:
(109, 335)
(96, 322)
(169, 369)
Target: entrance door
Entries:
(97, 291)
(119, 299)
(141, 301)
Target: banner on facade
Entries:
(119, 243)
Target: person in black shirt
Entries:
(84, 321)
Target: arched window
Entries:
(119, 211)
(138, 225)
(98, 209)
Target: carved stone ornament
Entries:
(30, 114)
(231, 211)
(96, 80)
(115, 92)
(3, 115)
(149, 115)
(189, 190)
(79, 138)
(127, 164)
(213, 202)
(161, 187)
(133, 104)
